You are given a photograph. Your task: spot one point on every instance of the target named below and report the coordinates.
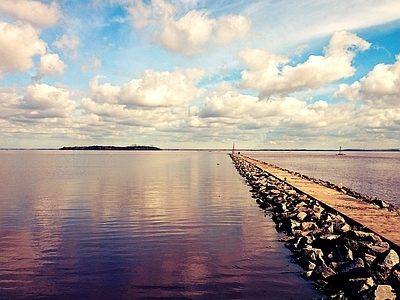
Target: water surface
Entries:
(136, 225)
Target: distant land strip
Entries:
(97, 147)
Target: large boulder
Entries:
(353, 268)
(383, 264)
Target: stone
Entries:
(308, 226)
(339, 218)
(355, 267)
(375, 250)
(313, 254)
(381, 203)
(301, 216)
(360, 235)
(324, 271)
(386, 260)
(379, 292)
(342, 254)
(309, 266)
(280, 207)
(301, 242)
(289, 224)
(342, 227)
(307, 274)
(355, 286)
(369, 259)
(395, 279)
(275, 192)
(384, 263)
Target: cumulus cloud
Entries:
(68, 44)
(45, 101)
(273, 75)
(156, 101)
(379, 86)
(153, 89)
(186, 33)
(33, 12)
(49, 65)
(285, 121)
(231, 27)
(38, 101)
(18, 44)
(248, 112)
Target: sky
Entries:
(206, 74)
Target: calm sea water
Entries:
(370, 173)
(136, 225)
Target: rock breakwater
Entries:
(345, 260)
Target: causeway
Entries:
(383, 222)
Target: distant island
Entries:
(97, 147)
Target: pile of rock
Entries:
(343, 259)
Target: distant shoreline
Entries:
(97, 147)
(198, 149)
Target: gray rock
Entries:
(342, 227)
(342, 254)
(369, 259)
(313, 254)
(375, 250)
(360, 234)
(324, 271)
(354, 267)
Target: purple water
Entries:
(136, 225)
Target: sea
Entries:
(156, 224)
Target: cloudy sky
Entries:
(200, 73)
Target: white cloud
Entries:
(49, 65)
(188, 35)
(379, 86)
(290, 23)
(272, 76)
(35, 102)
(231, 27)
(105, 93)
(45, 101)
(18, 44)
(185, 32)
(33, 12)
(68, 44)
(153, 89)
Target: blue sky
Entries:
(200, 74)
